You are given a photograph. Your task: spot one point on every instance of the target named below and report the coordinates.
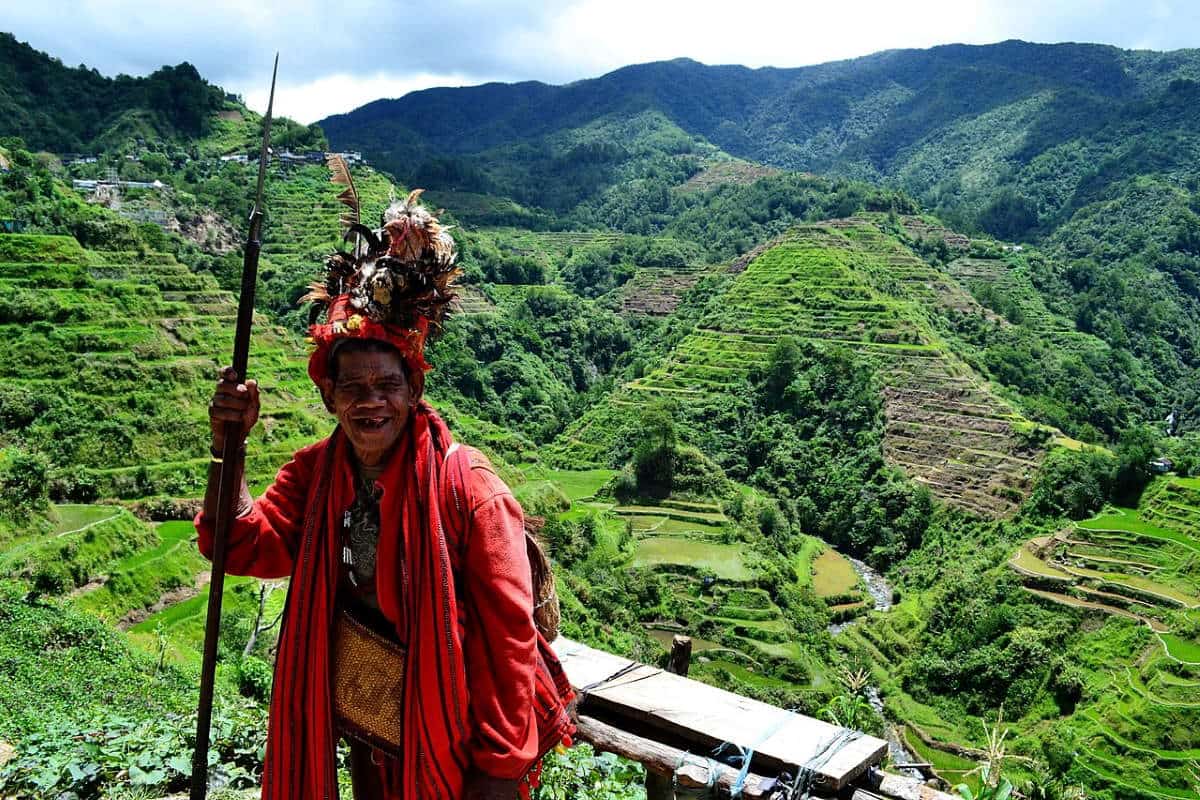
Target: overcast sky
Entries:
(338, 56)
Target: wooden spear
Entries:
(231, 466)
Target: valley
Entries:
(893, 454)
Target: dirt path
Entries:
(114, 515)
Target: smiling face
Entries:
(372, 399)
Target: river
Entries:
(881, 592)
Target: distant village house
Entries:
(1161, 466)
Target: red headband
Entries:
(343, 322)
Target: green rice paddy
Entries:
(725, 560)
(833, 574)
(1182, 649)
(575, 484)
(73, 517)
(949, 766)
(1141, 728)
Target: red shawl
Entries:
(301, 739)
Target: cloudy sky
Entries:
(338, 56)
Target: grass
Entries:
(1125, 519)
(59, 563)
(745, 675)
(575, 484)
(73, 517)
(666, 637)
(1088, 605)
(698, 517)
(182, 624)
(1142, 585)
(140, 579)
(1027, 561)
(171, 535)
(1180, 648)
(951, 767)
(810, 548)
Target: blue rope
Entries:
(742, 760)
(744, 755)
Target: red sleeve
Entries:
(501, 642)
(263, 543)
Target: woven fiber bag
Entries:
(368, 677)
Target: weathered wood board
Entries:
(709, 716)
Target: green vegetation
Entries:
(61, 561)
(86, 109)
(140, 580)
(88, 711)
(714, 380)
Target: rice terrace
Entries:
(862, 394)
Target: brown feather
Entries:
(318, 292)
(340, 174)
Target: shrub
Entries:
(1073, 484)
(254, 678)
(23, 486)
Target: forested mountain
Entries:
(65, 109)
(761, 346)
(1012, 137)
(1090, 149)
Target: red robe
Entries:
(472, 655)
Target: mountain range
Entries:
(1013, 136)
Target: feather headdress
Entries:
(396, 283)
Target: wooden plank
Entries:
(708, 716)
(668, 765)
(886, 784)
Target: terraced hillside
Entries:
(1005, 283)
(731, 171)
(734, 624)
(555, 245)
(136, 340)
(846, 282)
(1139, 565)
(656, 292)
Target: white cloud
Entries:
(598, 35)
(334, 94)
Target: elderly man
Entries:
(409, 623)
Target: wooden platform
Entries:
(705, 716)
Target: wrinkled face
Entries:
(372, 400)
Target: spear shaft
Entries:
(231, 467)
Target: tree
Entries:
(22, 482)
(1010, 216)
(784, 362)
(1135, 450)
(589, 271)
(654, 453)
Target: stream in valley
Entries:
(881, 592)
